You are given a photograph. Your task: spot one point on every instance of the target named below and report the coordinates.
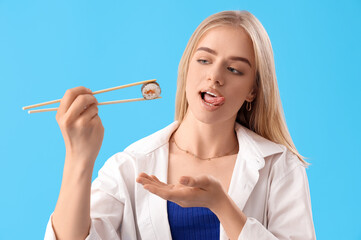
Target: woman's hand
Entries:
(203, 191)
(80, 125)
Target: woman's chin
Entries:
(210, 117)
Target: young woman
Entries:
(225, 169)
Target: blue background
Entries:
(47, 47)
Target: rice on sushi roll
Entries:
(151, 90)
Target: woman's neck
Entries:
(206, 140)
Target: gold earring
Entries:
(248, 106)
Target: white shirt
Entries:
(269, 184)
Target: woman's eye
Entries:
(233, 70)
(202, 61)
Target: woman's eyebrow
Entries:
(235, 58)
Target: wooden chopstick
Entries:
(96, 92)
(102, 103)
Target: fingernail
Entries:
(89, 90)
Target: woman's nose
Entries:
(215, 75)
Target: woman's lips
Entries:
(212, 99)
(210, 106)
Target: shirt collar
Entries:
(255, 145)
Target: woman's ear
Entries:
(252, 94)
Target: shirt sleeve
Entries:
(289, 210)
(109, 194)
(50, 235)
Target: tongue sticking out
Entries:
(213, 100)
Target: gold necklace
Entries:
(196, 156)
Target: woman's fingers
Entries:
(150, 178)
(155, 186)
(90, 112)
(157, 180)
(182, 195)
(144, 178)
(200, 182)
(165, 192)
(69, 97)
(198, 191)
(81, 104)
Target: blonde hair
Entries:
(266, 117)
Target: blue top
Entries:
(192, 223)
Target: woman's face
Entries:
(221, 74)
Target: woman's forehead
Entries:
(228, 41)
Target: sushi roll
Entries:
(151, 90)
